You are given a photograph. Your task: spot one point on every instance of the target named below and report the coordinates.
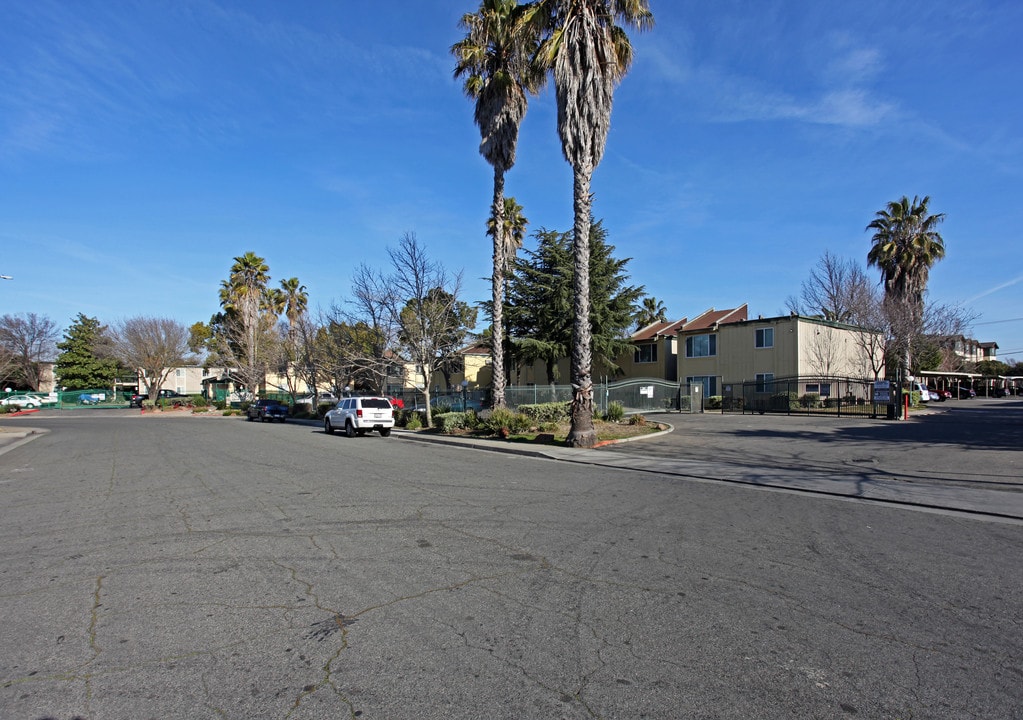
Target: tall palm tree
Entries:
(244, 294)
(514, 231)
(906, 244)
(296, 301)
(588, 54)
(650, 311)
(515, 224)
(495, 60)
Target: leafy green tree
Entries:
(905, 246)
(540, 302)
(589, 53)
(541, 294)
(494, 57)
(86, 360)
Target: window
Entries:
(822, 389)
(765, 338)
(709, 383)
(646, 353)
(701, 346)
(765, 382)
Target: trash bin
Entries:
(891, 412)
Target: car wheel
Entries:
(327, 427)
(384, 432)
(360, 432)
(30, 406)
(248, 417)
(349, 429)
(283, 419)
(262, 418)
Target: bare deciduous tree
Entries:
(154, 346)
(837, 290)
(422, 300)
(25, 341)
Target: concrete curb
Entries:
(11, 439)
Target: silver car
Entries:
(357, 415)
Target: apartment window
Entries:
(709, 383)
(646, 353)
(701, 346)
(765, 382)
(822, 389)
(179, 373)
(765, 338)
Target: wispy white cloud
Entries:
(996, 288)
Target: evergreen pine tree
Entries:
(84, 362)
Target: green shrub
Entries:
(713, 402)
(615, 412)
(810, 400)
(547, 412)
(197, 401)
(637, 420)
(412, 419)
(449, 422)
(784, 401)
(503, 419)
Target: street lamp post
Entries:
(465, 385)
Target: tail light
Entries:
(358, 412)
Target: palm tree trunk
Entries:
(497, 336)
(582, 433)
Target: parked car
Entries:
(267, 409)
(396, 403)
(26, 402)
(323, 398)
(357, 415)
(176, 398)
(940, 395)
(965, 393)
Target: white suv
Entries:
(359, 414)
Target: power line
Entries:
(995, 322)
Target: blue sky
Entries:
(143, 145)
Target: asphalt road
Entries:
(179, 567)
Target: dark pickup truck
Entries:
(267, 410)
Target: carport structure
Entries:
(986, 385)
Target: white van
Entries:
(925, 394)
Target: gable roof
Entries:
(658, 329)
(714, 317)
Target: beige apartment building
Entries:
(763, 349)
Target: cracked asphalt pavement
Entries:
(179, 567)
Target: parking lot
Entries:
(171, 566)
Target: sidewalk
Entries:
(868, 485)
